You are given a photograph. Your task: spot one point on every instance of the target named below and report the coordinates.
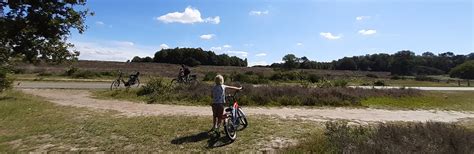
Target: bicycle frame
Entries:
(234, 108)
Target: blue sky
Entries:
(265, 30)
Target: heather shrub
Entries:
(154, 87)
(200, 93)
(410, 137)
(379, 83)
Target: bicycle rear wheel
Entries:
(229, 129)
(115, 85)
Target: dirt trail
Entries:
(81, 98)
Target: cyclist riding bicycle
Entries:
(132, 79)
(186, 71)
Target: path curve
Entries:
(81, 98)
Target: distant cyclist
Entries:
(186, 71)
(132, 79)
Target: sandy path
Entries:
(81, 98)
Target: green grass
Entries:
(444, 100)
(28, 123)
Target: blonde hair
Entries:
(219, 79)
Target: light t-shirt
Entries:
(218, 93)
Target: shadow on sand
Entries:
(213, 141)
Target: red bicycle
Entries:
(235, 118)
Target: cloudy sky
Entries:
(265, 30)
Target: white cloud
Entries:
(330, 36)
(237, 53)
(299, 44)
(258, 63)
(189, 16)
(100, 23)
(367, 32)
(164, 46)
(207, 36)
(111, 50)
(261, 54)
(216, 48)
(360, 18)
(123, 43)
(227, 46)
(258, 13)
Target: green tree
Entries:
(463, 71)
(346, 63)
(290, 61)
(403, 63)
(35, 30)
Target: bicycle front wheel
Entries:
(242, 118)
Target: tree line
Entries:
(192, 57)
(401, 63)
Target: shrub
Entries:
(155, 86)
(250, 77)
(5, 82)
(463, 71)
(71, 71)
(372, 76)
(430, 137)
(410, 137)
(379, 83)
(209, 76)
(340, 83)
(313, 78)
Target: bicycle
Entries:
(234, 117)
(116, 83)
(192, 78)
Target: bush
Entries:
(199, 93)
(340, 83)
(430, 137)
(463, 71)
(372, 76)
(5, 82)
(71, 71)
(379, 83)
(250, 77)
(313, 78)
(410, 137)
(155, 86)
(209, 76)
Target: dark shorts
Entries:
(217, 109)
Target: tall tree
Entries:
(291, 61)
(38, 29)
(403, 63)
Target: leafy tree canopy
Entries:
(463, 71)
(35, 30)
